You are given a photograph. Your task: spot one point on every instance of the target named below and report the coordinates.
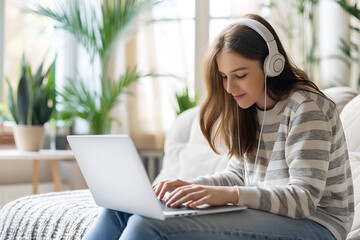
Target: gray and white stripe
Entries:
(303, 168)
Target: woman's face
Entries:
(244, 79)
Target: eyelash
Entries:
(240, 77)
(237, 76)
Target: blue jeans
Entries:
(246, 224)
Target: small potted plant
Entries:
(32, 105)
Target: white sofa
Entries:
(187, 154)
(67, 215)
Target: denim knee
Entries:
(139, 227)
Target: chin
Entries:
(244, 105)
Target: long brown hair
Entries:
(221, 119)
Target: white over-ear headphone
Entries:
(275, 61)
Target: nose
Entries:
(229, 85)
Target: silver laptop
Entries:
(116, 177)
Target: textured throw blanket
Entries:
(60, 215)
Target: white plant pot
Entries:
(29, 138)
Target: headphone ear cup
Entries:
(274, 65)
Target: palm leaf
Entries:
(99, 34)
(70, 16)
(119, 18)
(351, 9)
(75, 99)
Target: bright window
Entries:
(23, 34)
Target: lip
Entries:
(238, 97)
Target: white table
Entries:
(43, 155)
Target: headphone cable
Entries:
(260, 134)
(249, 181)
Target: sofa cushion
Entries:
(187, 153)
(350, 117)
(355, 168)
(341, 95)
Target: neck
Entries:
(270, 103)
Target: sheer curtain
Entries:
(150, 108)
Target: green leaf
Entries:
(12, 104)
(31, 88)
(185, 101)
(352, 10)
(46, 109)
(38, 78)
(23, 65)
(50, 84)
(23, 100)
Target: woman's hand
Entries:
(193, 195)
(196, 195)
(169, 185)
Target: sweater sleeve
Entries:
(307, 145)
(232, 175)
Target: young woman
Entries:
(289, 162)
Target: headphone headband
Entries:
(258, 27)
(275, 61)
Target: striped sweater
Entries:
(303, 168)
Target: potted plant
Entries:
(98, 28)
(32, 105)
(79, 100)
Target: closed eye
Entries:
(240, 76)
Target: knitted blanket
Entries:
(60, 215)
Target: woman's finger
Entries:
(184, 195)
(169, 185)
(163, 187)
(181, 188)
(199, 202)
